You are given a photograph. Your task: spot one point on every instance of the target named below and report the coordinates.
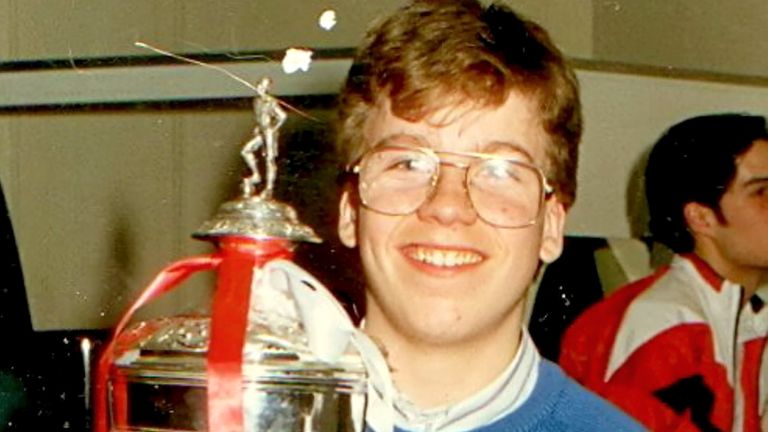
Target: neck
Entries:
(438, 374)
(749, 277)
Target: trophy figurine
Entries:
(277, 353)
(269, 118)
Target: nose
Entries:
(449, 203)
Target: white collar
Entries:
(502, 396)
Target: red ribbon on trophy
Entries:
(235, 262)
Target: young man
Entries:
(684, 349)
(459, 125)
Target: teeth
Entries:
(444, 258)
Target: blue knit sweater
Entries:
(560, 404)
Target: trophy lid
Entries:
(257, 218)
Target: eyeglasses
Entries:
(504, 191)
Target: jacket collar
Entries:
(705, 270)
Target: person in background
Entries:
(685, 348)
(459, 127)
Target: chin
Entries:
(448, 328)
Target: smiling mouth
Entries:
(442, 257)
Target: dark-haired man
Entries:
(685, 348)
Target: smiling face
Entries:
(442, 275)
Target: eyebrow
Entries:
(491, 147)
(756, 180)
(500, 146)
(399, 138)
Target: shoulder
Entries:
(579, 409)
(588, 342)
(674, 315)
(614, 306)
(560, 404)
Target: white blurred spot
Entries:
(296, 59)
(328, 19)
(85, 345)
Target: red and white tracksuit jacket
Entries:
(677, 350)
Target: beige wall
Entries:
(60, 29)
(569, 22)
(709, 35)
(101, 201)
(694, 34)
(624, 115)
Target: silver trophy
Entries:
(298, 365)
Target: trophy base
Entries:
(164, 405)
(161, 384)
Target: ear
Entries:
(552, 230)
(347, 228)
(699, 218)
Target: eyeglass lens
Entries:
(504, 192)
